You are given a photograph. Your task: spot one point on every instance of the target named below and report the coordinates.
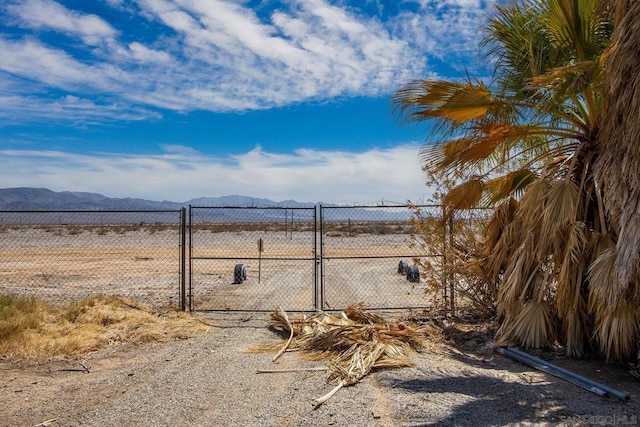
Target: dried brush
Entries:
(352, 344)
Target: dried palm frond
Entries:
(560, 204)
(517, 285)
(530, 210)
(464, 196)
(532, 327)
(280, 321)
(605, 291)
(353, 343)
(571, 300)
(502, 216)
(509, 241)
(283, 317)
(617, 331)
(616, 315)
(359, 314)
(616, 168)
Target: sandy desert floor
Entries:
(210, 380)
(145, 266)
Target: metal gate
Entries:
(368, 254)
(304, 259)
(252, 259)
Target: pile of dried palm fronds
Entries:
(352, 344)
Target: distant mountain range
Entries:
(27, 198)
(17, 200)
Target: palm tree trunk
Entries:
(617, 170)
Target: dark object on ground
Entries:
(580, 381)
(413, 274)
(239, 274)
(402, 267)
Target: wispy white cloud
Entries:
(144, 54)
(69, 108)
(35, 61)
(222, 56)
(182, 174)
(450, 31)
(48, 14)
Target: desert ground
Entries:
(69, 263)
(66, 263)
(211, 380)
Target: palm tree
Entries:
(526, 144)
(617, 172)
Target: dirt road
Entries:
(210, 380)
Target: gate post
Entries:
(183, 258)
(320, 263)
(445, 274)
(190, 228)
(452, 273)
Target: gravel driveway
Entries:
(211, 381)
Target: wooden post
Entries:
(260, 249)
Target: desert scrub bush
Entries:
(458, 277)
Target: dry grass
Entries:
(31, 329)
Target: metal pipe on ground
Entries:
(572, 377)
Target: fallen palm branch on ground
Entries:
(352, 344)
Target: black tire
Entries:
(413, 274)
(402, 267)
(239, 274)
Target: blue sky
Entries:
(177, 99)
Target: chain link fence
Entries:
(256, 258)
(371, 254)
(465, 284)
(252, 259)
(62, 256)
(245, 259)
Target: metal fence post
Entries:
(190, 258)
(452, 277)
(445, 273)
(320, 261)
(183, 257)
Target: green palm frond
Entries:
(578, 26)
(519, 43)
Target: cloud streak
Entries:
(223, 56)
(181, 174)
(48, 14)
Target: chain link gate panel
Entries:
(63, 256)
(252, 259)
(371, 254)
